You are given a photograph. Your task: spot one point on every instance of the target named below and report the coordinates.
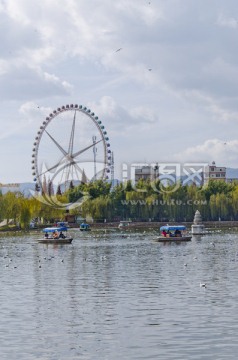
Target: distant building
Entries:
(214, 173)
(147, 173)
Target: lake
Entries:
(119, 295)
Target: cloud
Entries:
(122, 117)
(24, 83)
(223, 152)
(229, 22)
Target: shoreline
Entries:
(132, 225)
(146, 224)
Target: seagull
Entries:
(150, 69)
(203, 285)
(119, 49)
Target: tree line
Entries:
(144, 201)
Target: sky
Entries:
(162, 75)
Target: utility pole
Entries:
(112, 168)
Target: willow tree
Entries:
(11, 205)
(1, 206)
(99, 208)
(215, 211)
(25, 214)
(234, 202)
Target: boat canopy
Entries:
(173, 227)
(84, 226)
(52, 229)
(62, 223)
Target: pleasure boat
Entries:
(173, 233)
(56, 235)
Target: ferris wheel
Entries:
(71, 146)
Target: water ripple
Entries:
(108, 297)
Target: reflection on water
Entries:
(108, 296)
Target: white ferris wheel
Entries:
(71, 146)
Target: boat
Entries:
(124, 224)
(84, 227)
(56, 235)
(173, 233)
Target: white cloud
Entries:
(120, 117)
(223, 152)
(144, 114)
(229, 22)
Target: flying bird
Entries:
(119, 49)
(150, 69)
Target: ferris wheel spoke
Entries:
(75, 165)
(71, 140)
(79, 169)
(65, 178)
(53, 167)
(65, 167)
(75, 169)
(85, 149)
(57, 144)
(68, 172)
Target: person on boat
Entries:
(164, 233)
(61, 235)
(55, 235)
(177, 232)
(46, 235)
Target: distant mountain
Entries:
(27, 188)
(232, 173)
(22, 187)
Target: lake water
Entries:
(108, 296)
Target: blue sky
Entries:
(169, 95)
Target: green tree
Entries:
(2, 209)
(93, 189)
(12, 206)
(25, 214)
(217, 187)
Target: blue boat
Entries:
(84, 227)
(56, 235)
(173, 233)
